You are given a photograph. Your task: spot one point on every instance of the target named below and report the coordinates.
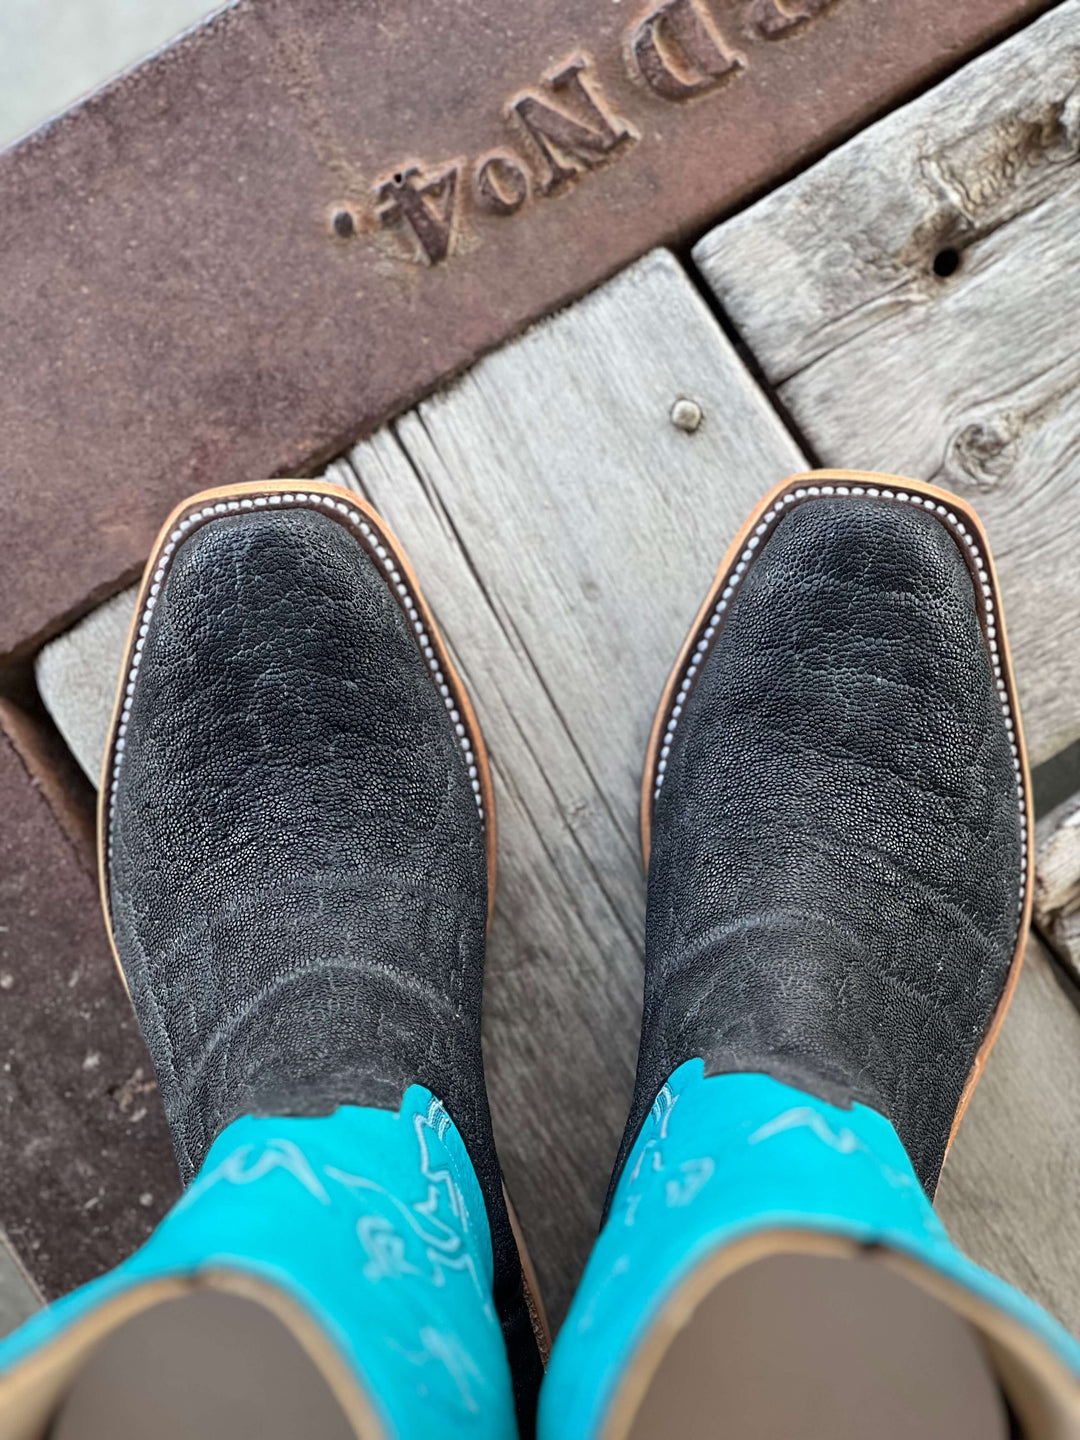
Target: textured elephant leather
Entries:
(298, 884)
(835, 869)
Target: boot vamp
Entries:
(297, 880)
(835, 874)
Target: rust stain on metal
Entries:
(248, 252)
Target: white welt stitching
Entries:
(372, 542)
(736, 574)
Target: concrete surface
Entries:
(54, 51)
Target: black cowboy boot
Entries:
(838, 813)
(298, 838)
(835, 818)
(298, 849)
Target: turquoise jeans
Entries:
(371, 1224)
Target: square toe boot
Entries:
(297, 850)
(298, 839)
(835, 817)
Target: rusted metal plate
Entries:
(246, 253)
(88, 1166)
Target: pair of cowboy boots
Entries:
(298, 845)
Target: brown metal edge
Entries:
(51, 766)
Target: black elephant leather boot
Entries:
(298, 853)
(835, 818)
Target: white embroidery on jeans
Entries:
(843, 1141)
(384, 1248)
(447, 1350)
(661, 1109)
(445, 1242)
(692, 1176)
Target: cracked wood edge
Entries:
(1057, 882)
(971, 380)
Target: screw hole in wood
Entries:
(946, 263)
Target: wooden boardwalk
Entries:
(565, 528)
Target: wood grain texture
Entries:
(197, 318)
(970, 380)
(1057, 882)
(565, 531)
(1008, 1191)
(77, 674)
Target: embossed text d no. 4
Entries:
(564, 128)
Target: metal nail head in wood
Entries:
(686, 415)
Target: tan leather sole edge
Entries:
(389, 540)
(971, 521)
(31, 1389)
(1043, 1392)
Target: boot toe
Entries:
(296, 865)
(837, 862)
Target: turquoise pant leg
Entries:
(718, 1158)
(375, 1224)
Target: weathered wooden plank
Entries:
(19, 1296)
(565, 529)
(1057, 882)
(1008, 1191)
(365, 198)
(76, 676)
(970, 379)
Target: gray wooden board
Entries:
(1057, 882)
(971, 381)
(1008, 1193)
(77, 674)
(565, 530)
